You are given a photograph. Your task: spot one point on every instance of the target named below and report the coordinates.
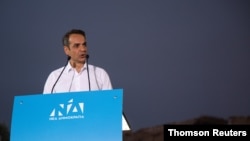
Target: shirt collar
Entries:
(69, 68)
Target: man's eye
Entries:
(76, 45)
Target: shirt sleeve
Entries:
(103, 79)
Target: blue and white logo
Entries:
(68, 110)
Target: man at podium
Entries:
(77, 74)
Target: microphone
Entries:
(68, 58)
(87, 64)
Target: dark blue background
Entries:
(175, 59)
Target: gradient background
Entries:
(175, 59)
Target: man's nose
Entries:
(83, 47)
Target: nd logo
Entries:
(70, 108)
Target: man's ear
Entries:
(66, 50)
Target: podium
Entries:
(72, 116)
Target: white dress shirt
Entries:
(72, 81)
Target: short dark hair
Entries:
(65, 39)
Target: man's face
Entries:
(77, 49)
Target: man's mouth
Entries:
(83, 55)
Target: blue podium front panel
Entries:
(74, 116)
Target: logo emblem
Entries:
(67, 111)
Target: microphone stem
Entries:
(60, 75)
(88, 72)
